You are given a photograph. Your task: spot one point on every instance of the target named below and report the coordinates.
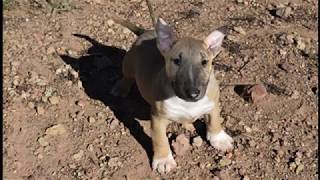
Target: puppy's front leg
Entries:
(218, 138)
(163, 160)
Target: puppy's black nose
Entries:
(193, 92)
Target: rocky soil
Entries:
(61, 58)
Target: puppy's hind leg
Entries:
(122, 87)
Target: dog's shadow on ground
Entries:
(98, 71)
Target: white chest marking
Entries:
(178, 109)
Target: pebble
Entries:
(40, 110)
(110, 22)
(247, 129)
(258, 92)
(290, 39)
(40, 156)
(216, 178)
(299, 168)
(79, 84)
(295, 94)
(90, 147)
(54, 130)
(49, 92)
(300, 44)
(114, 162)
(284, 12)
(54, 100)
(91, 120)
(282, 52)
(78, 155)
(181, 144)
(197, 141)
(114, 123)
(31, 105)
(245, 178)
(80, 103)
(51, 50)
(126, 31)
(74, 74)
(239, 30)
(43, 141)
(224, 162)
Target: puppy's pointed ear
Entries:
(214, 42)
(165, 36)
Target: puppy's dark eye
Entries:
(177, 61)
(204, 62)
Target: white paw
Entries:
(164, 165)
(221, 141)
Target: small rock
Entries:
(282, 52)
(240, 1)
(15, 82)
(40, 110)
(126, 31)
(292, 166)
(181, 144)
(90, 147)
(114, 162)
(223, 175)
(74, 74)
(197, 141)
(114, 123)
(231, 38)
(284, 12)
(91, 120)
(216, 178)
(247, 129)
(299, 155)
(98, 1)
(80, 103)
(49, 92)
(224, 162)
(300, 44)
(72, 166)
(31, 105)
(110, 22)
(252, 143)
(295, 94)
(239, 30)
(44, 99)
(51, 50)
(258, 92)
(78, 155)
(43, 141)
(299, 168)
(54, 130)
(79, 84)
(40, 156)
(245, 178)
(290, 39)
(54, 100)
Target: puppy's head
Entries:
(188, 60)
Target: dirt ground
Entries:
(62, 57)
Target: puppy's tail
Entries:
(153, 17)
(132, 27)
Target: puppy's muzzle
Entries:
(192, 93)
